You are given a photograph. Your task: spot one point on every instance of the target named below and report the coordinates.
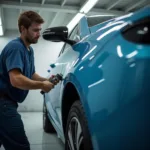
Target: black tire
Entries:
(77, 122)
(47, 125)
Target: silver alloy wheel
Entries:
(75, 135)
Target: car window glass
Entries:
(94, 20)
(61, 50)
(74, 35)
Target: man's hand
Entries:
(36, 77)
(47, 86)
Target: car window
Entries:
(94, 20)
(74, 35)
(62, 50)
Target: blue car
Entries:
(103, 101)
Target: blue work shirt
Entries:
(15, 55)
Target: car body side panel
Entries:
(112, 85)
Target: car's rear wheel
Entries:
(47, 125)
(77, 134)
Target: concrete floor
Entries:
(38, 139)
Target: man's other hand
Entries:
(47, 86)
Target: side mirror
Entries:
(57, 34)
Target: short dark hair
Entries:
(27, 18)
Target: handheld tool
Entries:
(57, 77)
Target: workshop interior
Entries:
(96, 56)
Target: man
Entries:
(17, 76)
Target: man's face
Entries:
(32, 34)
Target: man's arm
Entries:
(36, 77)
(20, 81)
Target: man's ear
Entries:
(22, 29)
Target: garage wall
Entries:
(45, 53)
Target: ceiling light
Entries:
(101, 16)
(88, 6)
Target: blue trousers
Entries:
(12, 133)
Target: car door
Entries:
(66, 57)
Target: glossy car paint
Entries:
(111, 76)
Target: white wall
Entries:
(45, 53)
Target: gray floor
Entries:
(38, 139)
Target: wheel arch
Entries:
(70, 95)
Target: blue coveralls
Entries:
(12, 133)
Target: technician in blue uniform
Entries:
(17, 77)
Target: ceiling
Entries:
(60, 12)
